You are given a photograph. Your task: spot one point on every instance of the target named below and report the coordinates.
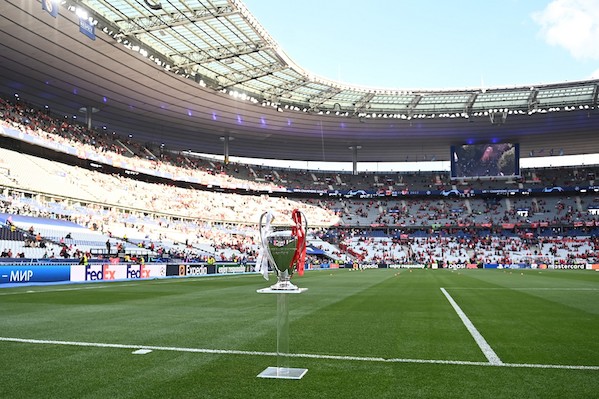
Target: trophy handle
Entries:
(260, 225)
(305, 223)
(264, 242)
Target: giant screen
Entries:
(485, 160)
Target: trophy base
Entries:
(284, 285)
(271, 290)
(283, 373)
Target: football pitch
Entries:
(372, 334)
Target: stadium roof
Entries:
(193, 74)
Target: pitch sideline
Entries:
(295, 355)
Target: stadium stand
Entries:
(157, 218)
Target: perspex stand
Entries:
(282, 370)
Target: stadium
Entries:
(136, 140)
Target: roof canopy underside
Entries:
(221, 42)
(210, 69)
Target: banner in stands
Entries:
(449, 193)
(87, 28)
(312, 250)
(51, 6)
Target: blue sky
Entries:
(427, 44)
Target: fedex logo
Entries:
(99, 272)
(138, 271)
(93, 273)
(108, 272)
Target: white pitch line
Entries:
(524, 288)
(82, 288)
(95, 287)
(480, 340)
(296, 355)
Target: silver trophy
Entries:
(284, 248)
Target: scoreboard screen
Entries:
(485, 160)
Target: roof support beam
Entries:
(470, 103)
(149, 23)
(283, 90)
(323, 96)
(362, 104)
(216, 54)
(242, 76)
(412, 105)
(532, 99)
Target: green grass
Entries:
(530, 317)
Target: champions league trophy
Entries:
(285, 250)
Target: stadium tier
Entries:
(174, 205)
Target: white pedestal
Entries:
(273, 291)
(282, 370)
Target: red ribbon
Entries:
(299, 257)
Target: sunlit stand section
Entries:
(285, 250)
